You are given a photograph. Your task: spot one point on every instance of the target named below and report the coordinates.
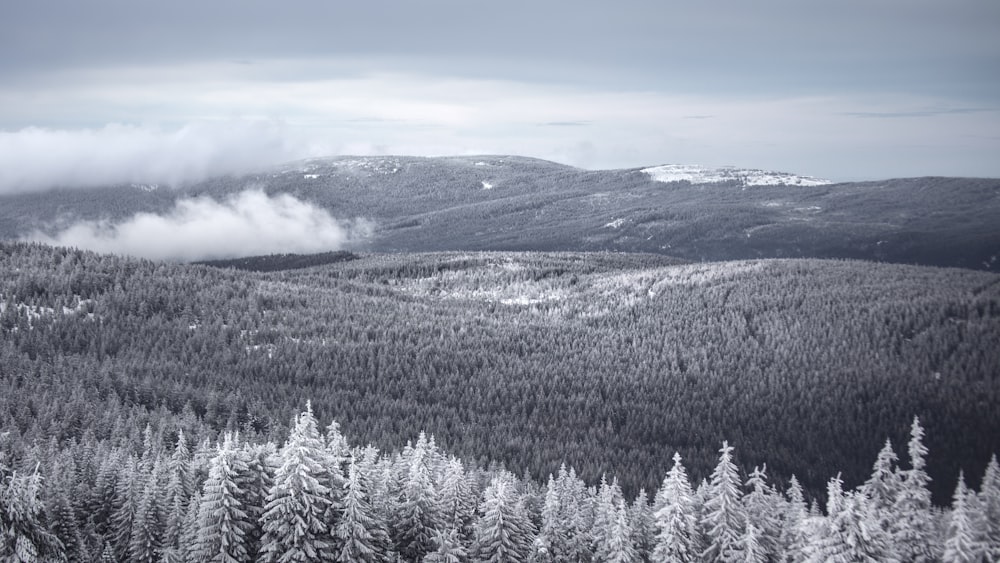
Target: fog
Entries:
(34, 159)
(247, 224)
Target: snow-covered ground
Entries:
(746, 176)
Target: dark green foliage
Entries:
(277, 262)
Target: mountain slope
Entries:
(516, 203)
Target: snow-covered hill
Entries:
(745, 176)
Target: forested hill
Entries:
(607, 362)
(516, 203)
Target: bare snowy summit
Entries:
(745, 176)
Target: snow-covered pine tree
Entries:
(254, 483)
(361, 534)
(147, 526)
(576, 507)
(750, 545)
(724, 515)
(456, 499)
(850, 533)
(550, 543)
(763, 507)
(884, 484)
(416, 517)
(643, 526)
(794, 525)
(678, 539)
(293, 527)
(223, 521)
(619, 548)
(176, 497)
(24, 534)
(965, 540)
(190, 549)
(609, 498)
(449, 548)
(127, 492)
(913, 530)
(504, 532)
(989, 497)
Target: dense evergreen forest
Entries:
(122, 380)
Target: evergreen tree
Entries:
(850, 532)
(965, 539)
(619, 548)
(913, 529)
(147, 528)
(127, 492)
(609, 498)
(763, 508)
(456, 499)
(223, 521)
(503, 533)
(361, 533)
(449, 548)
(549, 546)
(643, 526)
(750, 545)
(989, 496)
(294, 530)
(24, 534)
(724, 515)
(678, 538)
(176, 497)
(795, 525)
(417, 514)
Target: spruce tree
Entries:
(417, 514)
(724, 515)
(294, 530)
(147, 527)
(549, 546)
(503, 533)
(619, 548)
(989, 497)
(763, 508)
(965, 540)
(361, 534)
(913, 530)
(676, 520)
(223, 521)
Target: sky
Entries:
(109, 91)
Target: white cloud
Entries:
(37, 159)
(247, 224)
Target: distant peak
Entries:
(746, 176)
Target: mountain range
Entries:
(517, 203)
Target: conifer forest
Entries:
(495, 406)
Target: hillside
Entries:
(516, 203)
(608, 362)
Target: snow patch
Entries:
(616, 224)
(487, 186)
(744, 176)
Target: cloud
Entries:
(247, 224)
(34, 159)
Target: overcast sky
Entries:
(853, 89)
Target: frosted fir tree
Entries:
(678, 538)
(643, 526)
(609, 498)
(361, 534)
(293, 520)
(147, 527)
(883, 487)
(189, 549)
(127, 491)
(417, 514)
(913, 529)
(456, 499)
(577, 514)
(795, 524)
(619, 547)
(504, 532)
(550, 543)
(965, 540)
(255, 482)
(750, 545)
(989, 497)
(763, 508)
(223, 521)
(24, 534)
(724, 514)
(850, 533)
(449, 548)
(176, 496)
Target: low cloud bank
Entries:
(247, 224)
(36, 159)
